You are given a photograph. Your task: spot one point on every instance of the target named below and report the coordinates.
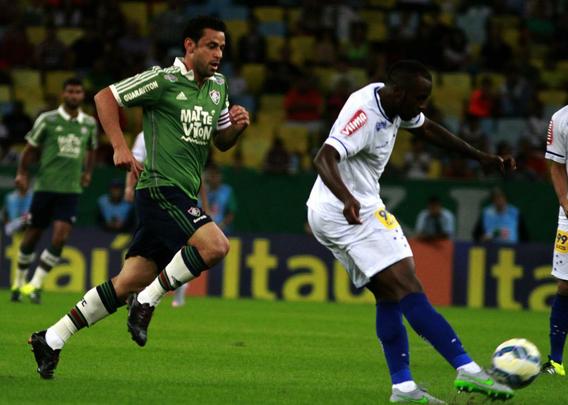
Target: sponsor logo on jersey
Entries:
(69, 146)
(141, 91)
(356, 122)
(170, 78)
(194, 211)
(181, 96)
(197, 125)
(550, 133)
(215, 96)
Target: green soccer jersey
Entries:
(180, 119)
(63, 141)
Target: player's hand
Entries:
(124, 159)
(22, 183)
(351, 209)
(503, 165)
(239, 117)
(86, 179)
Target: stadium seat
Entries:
(54, 80)
(271, 117)
(372, 17)
(553, 78)
(136, 11)
(402, 146)
(295, 138)
(236, 28)
(26, 79)
(69, 35)
(387, 4)
(511, 37)
(254, 151)
(274, 47)
(324, 77)
(301, 47)
(553, 97)
(5, 93)
(35, 34)
(265, 14)
(271, 102)
(377, 32)
(272, 28)
(294, 16)
(254, 74)
(508, 129)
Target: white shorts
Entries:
(560, 257)
(366, 249)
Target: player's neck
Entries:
(386, 103)
(73, 112)
(189, 66)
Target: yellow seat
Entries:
(5, 93)
(270, 117)
(402, 146)
(136, 11)
(267, 14)
(69, 35)
(553, 97)
(552, 78)
(254, 74)
(27, 85)
(372, 17)
(36, 34)
(271, 102)
(273, 47)
(377, 32)
(511, 37)
(294, 17)
(382, 3)
(301, 47)
(254, 151)
(236, 29)
(295, 138)
(54, 81)
(325, 78)
(360, 76)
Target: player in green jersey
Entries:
(65, 139)
(185, 108)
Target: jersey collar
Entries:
(378, 99)
(178, 62)
(67, 117)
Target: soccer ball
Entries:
(516, 363)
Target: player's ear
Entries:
(189, 45)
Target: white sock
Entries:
(37, 279)
(406, 386)
(21, 276)
(176, 272)
(471, 367)
(58, 334)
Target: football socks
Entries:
(558, 327)
(392, 334)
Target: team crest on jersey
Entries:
(550, 133)
(194, 211)
(215, 96)
(356, 122)
(170, 78)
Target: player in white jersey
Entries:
(347, 216)
(556, 153)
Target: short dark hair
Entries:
(194, 27)
(72, 81)
(402, 72)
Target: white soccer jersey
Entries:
(557, 142)
(364, 137)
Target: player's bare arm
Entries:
(107, 109)
(89, 165)
(325, 163)
(560, 183)
(438, 135)
(225, 139)
(28, 156)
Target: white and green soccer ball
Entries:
(516, 363)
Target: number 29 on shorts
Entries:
(386, 218)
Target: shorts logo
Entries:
(201, 218)
(561, 238)
(194, 211)
(215, 96)
(386, 218)
(550, 133)
(357, 121)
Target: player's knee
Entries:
(220, 247)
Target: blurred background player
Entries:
(189, 103)
(347, 215)
(115, 213)
(556, 153)
(65, 139)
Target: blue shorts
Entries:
(167, 218)
(48, 206)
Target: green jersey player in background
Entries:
(185, 108)
(65, 139)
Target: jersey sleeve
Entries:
(556, 140)
(415, 122)
(350, 132)
(36, 135)
(224, 118)
(94, 138)
(140, 90)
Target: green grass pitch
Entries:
(215, 351)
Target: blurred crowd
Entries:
(500, 69)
